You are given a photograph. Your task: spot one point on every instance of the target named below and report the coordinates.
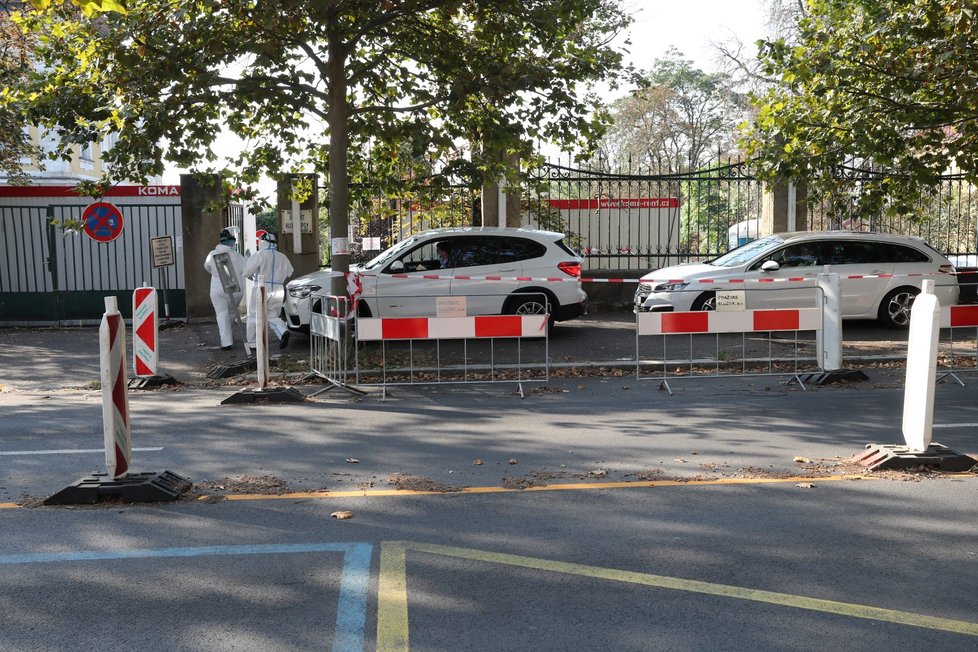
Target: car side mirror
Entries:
(397, 266)
(770, 266)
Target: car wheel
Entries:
(705, 301)
(895, 308)
(529, 304)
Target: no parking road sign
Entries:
(103, 221)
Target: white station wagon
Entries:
(880, 275)
(535, 272)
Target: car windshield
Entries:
(384, 257)
(748, 252)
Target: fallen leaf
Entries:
(352, 460)
(513, 462)
(802, 460)
(343, 515)
(477, 463)
(679, 459)
(597, 473)
(805, 485)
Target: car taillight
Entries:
(571, 269)
(947, 269)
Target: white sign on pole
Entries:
(162, 251)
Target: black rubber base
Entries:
(267, 395)
(879, 457)
(836, 376)
(234, 368)
(149, 487)
(152, 382)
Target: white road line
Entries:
(77, 451)
(955, 425)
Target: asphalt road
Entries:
(596, 513)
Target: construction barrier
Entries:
(330, 343)
(145, 332)
(958, 347)
(727, 343)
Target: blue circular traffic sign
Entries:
(103, 221)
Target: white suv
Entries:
(879, 275)
(532, 272)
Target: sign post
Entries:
(162, 251)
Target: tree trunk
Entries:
(338, 117)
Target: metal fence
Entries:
(640, 219)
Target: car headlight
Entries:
(303, 291)
(670, 286)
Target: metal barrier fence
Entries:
(720, 343)
(436, 347)
(958, 345)
(330, 341)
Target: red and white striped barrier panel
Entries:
(115, 385)
(959, 316)
(740, 321)
(145, 332)
(451, 328)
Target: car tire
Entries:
(895, 307)
(705, 301)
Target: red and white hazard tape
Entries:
(451, 328)
(740, 321)
(575, 279)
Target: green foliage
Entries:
(304, 84)
(677, 119)
(891, 84)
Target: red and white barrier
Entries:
(451, 328)
(145, 332)
(115, 399)
(959, 316)
(740, 321)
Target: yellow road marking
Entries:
(577, 486)
(370, 493)
(392, 608)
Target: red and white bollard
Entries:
(145, 332)
(115, 399)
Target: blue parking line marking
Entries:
(351, 609)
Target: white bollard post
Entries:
(115, 385)
(829, 339)
(261, 333)
(145, 332)
(918, 397)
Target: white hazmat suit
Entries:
(275, 267)
(225, 307)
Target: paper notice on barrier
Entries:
(731, 300)
(451, 307)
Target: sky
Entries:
(692, 26)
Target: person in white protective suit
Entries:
(225, 306)
(275, 267)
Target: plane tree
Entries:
(887, 84)
(344, 88)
